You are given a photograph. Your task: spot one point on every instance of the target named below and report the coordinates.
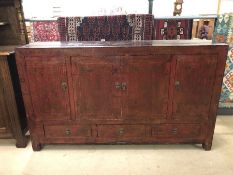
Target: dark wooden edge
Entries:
(17, 91)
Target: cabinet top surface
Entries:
(94, 44)
(6, 50)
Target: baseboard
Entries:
(225, 111)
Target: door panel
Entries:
(146, 94)
(96, 94)
(194, 81)
(49, 87)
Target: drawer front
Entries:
(121, 131)
(177, 130)
(52, 131)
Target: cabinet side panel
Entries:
(219, 74)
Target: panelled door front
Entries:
(97, 87)
(49, 87)
(194, 81)
(145, 87)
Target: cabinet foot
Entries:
(207, 146)
(21, 144)
(36, 146)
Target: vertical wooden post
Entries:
(219, 6)
(150, 6)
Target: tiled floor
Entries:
(123, 159)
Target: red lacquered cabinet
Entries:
(132, 92)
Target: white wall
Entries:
(226, 6)
(197, 7)
(43, 9)
(190, 7)
(163, 7)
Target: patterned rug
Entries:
(173, 29)
(108, 28)
(224, 34)
(45, 31)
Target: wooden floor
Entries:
(123, 159)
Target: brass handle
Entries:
(121, 131)
(177, 85)
(174, 131)
(64, 86)
(123, 86)
(118, 85)
(68, 132)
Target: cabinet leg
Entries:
(21, 143)
(207, 146)
(36, 146)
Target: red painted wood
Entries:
(49, 90)
(96, 95)
(177, 131)
(147, 80)
(195, 76)
(63, 131)
(122, 92)
(121, 132)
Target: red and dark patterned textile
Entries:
(45, 31)
(108, 28)
(173, 29)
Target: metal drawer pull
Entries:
(118, 85)
(177, 85)
(121, 131)
(68, 132)
(64, 86)
(123, 86)
(174, 131)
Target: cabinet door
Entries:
(96, 87)
(47, 78)
(194, 81)
(147, 87)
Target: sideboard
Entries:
(126, 92)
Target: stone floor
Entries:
(123, 159)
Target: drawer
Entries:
(52, 131)
(121, 131)
(177, 130)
